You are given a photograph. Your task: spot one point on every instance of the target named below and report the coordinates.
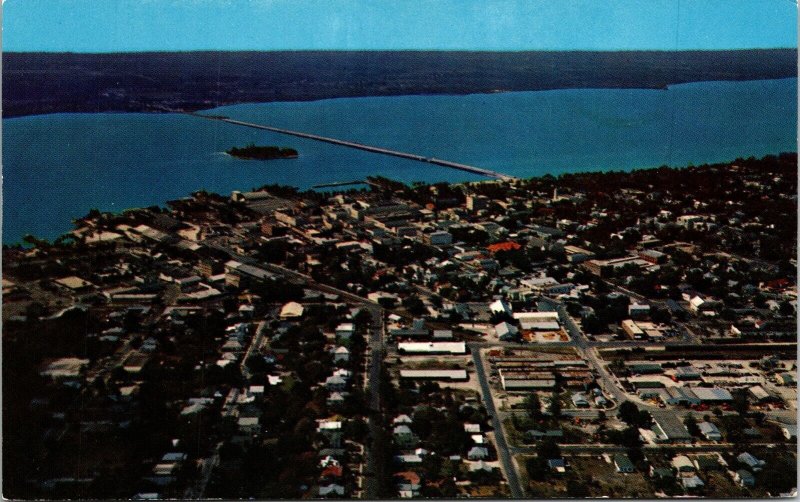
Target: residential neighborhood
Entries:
(612, 334)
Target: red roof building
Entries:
(332, 471)
(410, 477)
(503, 246)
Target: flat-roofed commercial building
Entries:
(632, 330)
(577, 255)
(455, 375)
(687, 373)
(542, 326)
(645, 368)
(535, 317)
(681, 395)
(527, 384)
(439, 238)
(712, 394)
(607, 268)
(432, 347)
(653, 256)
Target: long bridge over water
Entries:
(360, 146)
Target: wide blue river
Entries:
(57, 167)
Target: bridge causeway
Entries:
(367, 148)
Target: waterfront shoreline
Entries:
(334, 190)
(522, 134)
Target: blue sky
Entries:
(138, 25)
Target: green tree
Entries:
(533, 407)
(645, 419)
(779, 476)
(786, 309)
(356, 428)
(548, 449)
(691, 425)
(740, 402)
(363, 319)
(593, 325)
(628, 437)
(414, 305)
(555, 405)
(576, 489)
(628, 413)
(537, 468)
(617, 366)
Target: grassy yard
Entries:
(720, 485)
(484, 491)
(572, 435)
(592, 474)
(602, 479)
(552, 488)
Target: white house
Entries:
(331, 490)
(506, 331)
(335, 383)
(249, 425)
(500, 307)
(335, 399)
(477, 453)
(472, 428)
(332, 430)
(638, 311)
(751, 461)
(709, 431)
(683, 465)
(402, 419)
(344, 331)
(291, 310)
(341, 354)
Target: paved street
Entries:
(589, 350)
(197, 489)
(255, 343)
(611, 448)
(374, 459)
(503, 450)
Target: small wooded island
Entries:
(253, 152)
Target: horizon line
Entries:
(498, 51)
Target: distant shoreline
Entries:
(46, 83)
(482, 93)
